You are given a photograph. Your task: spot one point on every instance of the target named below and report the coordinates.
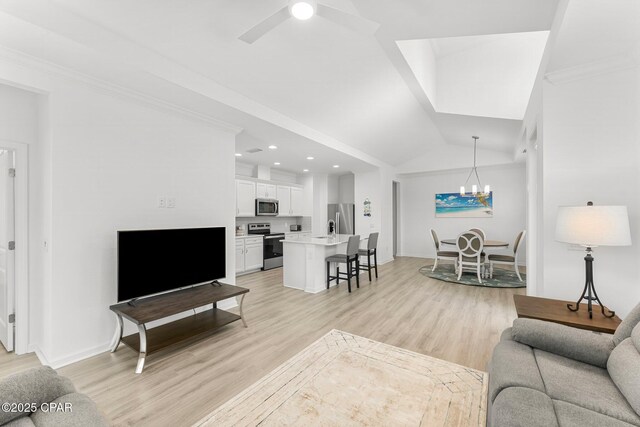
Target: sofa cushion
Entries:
(570, 415)
(577, 344)
(522, 407)
(624, 369)
(513, 365)
(507, 335)
(623, 331)
(83, 413)
(583, 385)
(37, 385)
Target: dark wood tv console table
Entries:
(165, 305)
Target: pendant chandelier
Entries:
(474, 171)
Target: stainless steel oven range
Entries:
(271, 246)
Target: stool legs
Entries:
(369, 264)
(375, 262)
(349, 272)
(328, 274)
(357, 272)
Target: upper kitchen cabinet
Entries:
(284, 200)
(297, 202)
(266, 191)
(245, 198)
(291, 201)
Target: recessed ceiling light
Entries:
(305, 170)
(310, 158)
(238, 154)
(302, 10)
(273, 147)
(336, 166)
(276, 163)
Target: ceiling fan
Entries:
(303, 10)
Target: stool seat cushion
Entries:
(364, 252)
(338, 258)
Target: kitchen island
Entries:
(304, 265)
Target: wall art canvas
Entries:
(455, 205)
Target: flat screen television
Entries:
(154, 261)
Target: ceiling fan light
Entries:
(302, 10)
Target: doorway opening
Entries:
(396, 218)
(7, 249)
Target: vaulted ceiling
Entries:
(352, 92)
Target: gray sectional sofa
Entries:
(545, 374)
(54, 397)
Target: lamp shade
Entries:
(592, 226)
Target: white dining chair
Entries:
(470, 256)
(480, 231)
(443, 255)
(508, 259)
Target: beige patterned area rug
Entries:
(343, 379)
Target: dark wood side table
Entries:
(158, 307)
(553, 310)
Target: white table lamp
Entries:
(591, 226)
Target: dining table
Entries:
(487, 244)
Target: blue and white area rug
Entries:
(501, 278)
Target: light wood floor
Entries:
(179, 386)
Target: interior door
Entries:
(7, 281)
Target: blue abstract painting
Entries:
(455, 205)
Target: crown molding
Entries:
(42, 65)
(593, 69)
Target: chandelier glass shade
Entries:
(474, 172)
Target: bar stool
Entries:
(349, 258)
(372, 246)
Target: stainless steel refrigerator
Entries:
(344, 214)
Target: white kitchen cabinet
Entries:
(266, 191)
(297, 201)
(253, 257)
(245, 198)
(249, 254)
(239, 255)
(284, 199)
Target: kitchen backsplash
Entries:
(278, 225)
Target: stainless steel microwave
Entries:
(266, 207)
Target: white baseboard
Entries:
(78, 356)
(32, 348)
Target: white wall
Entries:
(377, 187)
(109, 157)
(508, 184)
(21, 118)
(333, 189)
(346, 188)
(112, 160)
(591, 152)
(320, 201)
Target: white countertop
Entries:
(322, 241)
